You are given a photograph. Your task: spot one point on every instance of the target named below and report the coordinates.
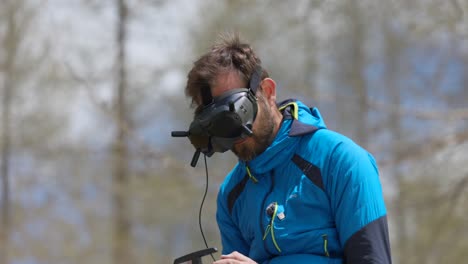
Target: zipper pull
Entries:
(270, 210)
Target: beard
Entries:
(261, 138)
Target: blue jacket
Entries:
(313, 196)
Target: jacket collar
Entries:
(284, 145)
(290, 109)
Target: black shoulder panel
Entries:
(235, 192)
(370, 244)
(310, 170)
(298, 128)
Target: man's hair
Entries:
(228, 53)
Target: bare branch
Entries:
(452, 199)
(417, 151)
(421, 113)
(448, 115)
(451, 196)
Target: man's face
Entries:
(263, 126)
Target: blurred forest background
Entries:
(91, 89)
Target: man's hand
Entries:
(234, 258)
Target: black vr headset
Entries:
(225, 120)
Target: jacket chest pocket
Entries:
(307, 203)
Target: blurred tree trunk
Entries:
(121, 217)
(393, 47)
(9, 45)
(351, 93)
(6, 111)
(356, 73)
(310, 64)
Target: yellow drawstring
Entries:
(325, 244)
(294, 111)
(270, 227)
(250, 175)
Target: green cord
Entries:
(270, 227)
(295, 108)
(266, 231)
(325, 244)
(250, 175)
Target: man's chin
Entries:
(244, 153)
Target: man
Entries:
(300, 193)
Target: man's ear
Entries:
(269, 89)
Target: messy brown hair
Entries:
(227, 54)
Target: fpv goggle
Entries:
(225, 120)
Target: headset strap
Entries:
(255, 79)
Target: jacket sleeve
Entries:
(303, 258)
(231, 237)
(359, 208)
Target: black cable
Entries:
(201, 206)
